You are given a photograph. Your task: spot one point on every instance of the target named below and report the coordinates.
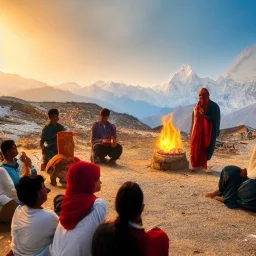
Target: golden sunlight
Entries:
(169, 140)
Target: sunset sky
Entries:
(138, 42)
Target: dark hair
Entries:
(103, 242)
(105, 112)
(6, 145)
(57, 201)
(53, 111)
(27, 189)
(114, 239)
(128, 204)
(129, 201)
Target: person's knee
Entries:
(57, 201)
(119, 148)
(97, 148)
(7, 211)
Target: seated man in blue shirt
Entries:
(103, 140)
(10, 163)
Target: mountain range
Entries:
(234, 90)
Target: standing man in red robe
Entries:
(205, 130)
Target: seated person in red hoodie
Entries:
(126, 236)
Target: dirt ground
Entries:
(174, 201)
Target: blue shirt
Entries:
(100, 131)
(14, 171)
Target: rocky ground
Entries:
(20, 118)
(174, 201)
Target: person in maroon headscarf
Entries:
(81, 211)
(204, 130)
(127, 236)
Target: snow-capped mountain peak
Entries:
(186, 70)
(182, 75)
(69, 86)
(243, 68)
(177, 81)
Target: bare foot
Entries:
(210, 194)
(194, 169)
(219, 198)
(208, 170)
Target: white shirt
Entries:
(78, 241)
(7, 188)
(32, 231)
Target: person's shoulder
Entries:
(3, 173)
(214, 103)
(95, 123)
(157, 233)
(46, 126)
(100, 208)
(49, 215)
(60, 126)
(18, 211)
(108, 123)
(158, 240)
(100, 203)
(2, 170)
(105, 230)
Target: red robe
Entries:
(200, 138)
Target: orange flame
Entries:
(170, 138)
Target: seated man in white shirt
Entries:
(8, 198)
(32, 226)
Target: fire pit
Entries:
(169, 161)
(170, 154)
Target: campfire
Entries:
(169, 153)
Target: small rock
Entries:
(198, 252)
(194, 194)
(181, 186)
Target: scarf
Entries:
(79, 197)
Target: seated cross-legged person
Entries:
(81, 211)
(126, 236)
(8, 198)
(32, 227)
(103, 140)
